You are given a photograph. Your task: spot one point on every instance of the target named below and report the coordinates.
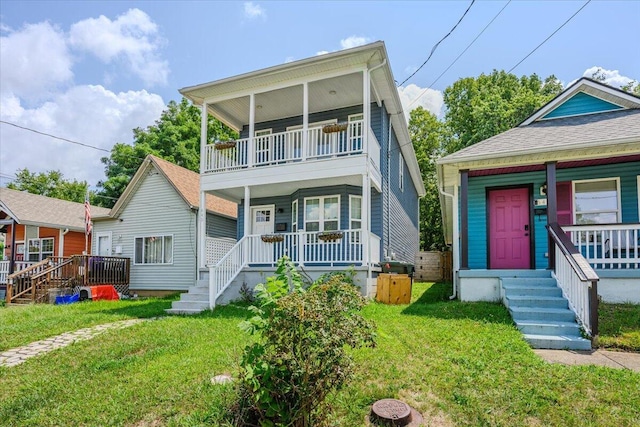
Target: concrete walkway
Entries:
(611, 359)
(16, 356)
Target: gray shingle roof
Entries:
(33, 209)
(552, 134)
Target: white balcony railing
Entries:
(607, 246)
(286, 147)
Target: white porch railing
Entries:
(607, 246)
(285, 147)
(17, 266)
(576, 278)
(304, 248)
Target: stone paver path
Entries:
(16, 356)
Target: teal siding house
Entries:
(545, 216)
(323, 171)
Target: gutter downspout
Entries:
(454, 204)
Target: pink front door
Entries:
(509, 229)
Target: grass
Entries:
(460, 364)
(619, 326)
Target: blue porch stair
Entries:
(541, 313)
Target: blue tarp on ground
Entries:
(67, 299)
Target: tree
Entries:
(50, 184)
(175, 137)
(427, 133)
(481, 107)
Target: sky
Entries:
(92, 71)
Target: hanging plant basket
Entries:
(272, 238)
(330, 236)
(335, 127)
(224, 145)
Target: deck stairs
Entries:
(194, 301)
(541, 312)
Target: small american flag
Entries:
(87, 214)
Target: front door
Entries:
(262, 222)
(509, 229)
(103, 244)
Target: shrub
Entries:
(300, 353)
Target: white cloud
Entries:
(91, 115)
(353, 41)
(413, 96)
(132, 38)
(34, 61)
(322, 52)
(612, 77)
(289, 59)
(252, 10)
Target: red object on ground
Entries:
(107, 292)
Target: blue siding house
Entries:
(323, 171)
(550, 203)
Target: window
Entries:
(154, 250)
(355, 212)
(294, 216)
(322, 213)
(597, 201)
(39, 249)
(401, 173)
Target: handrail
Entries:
(581, 270)
(222, 274)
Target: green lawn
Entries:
(458, 363)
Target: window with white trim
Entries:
(39, 249)
(154, 250)
(294, 216)
(355, 212)
(401, 172)
(596, 201)
(322, 213)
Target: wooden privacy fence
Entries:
(433, 266)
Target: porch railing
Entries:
(576, 278)
(607, 246)
(224, 271)
(285, 147)
(17, 266)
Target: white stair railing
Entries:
(222, 274)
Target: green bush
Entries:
(300, 353)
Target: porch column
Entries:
(201, 231)
(366, 109)
(204, 122)
(12, 260)
(464, 219)
(252, 119)
(366, 218)
(552, 209)
(305, 120)
(247, 220)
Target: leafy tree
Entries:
(481, 107)
(175, 137)
(427, 133)
(50, 184)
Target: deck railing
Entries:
(224, 271)
(607, 246)
(283, 147)
(17, 266)
(576, 278)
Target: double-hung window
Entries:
(322, 213)
(294, 216)
(154, 250)
(597, 201)
(401, 172)
(40, 249)
(355, 217)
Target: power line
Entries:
(551, 35)
(433, 49)
(55, 137)
(458, 57)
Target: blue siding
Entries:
(581, 103)
(627, 172)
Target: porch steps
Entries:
(194, 301)
(542, 314)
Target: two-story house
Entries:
(323, 171)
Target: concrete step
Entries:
(190, 305)
(558, 342)
(183, 311)
(547, 327)
(536, 301)
(199, 297)
(548, 314)
(198, 290)
(543, 291)
(529, 281)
